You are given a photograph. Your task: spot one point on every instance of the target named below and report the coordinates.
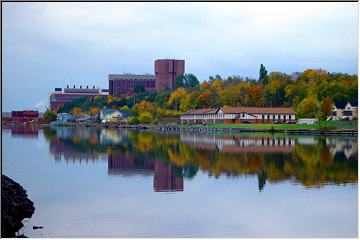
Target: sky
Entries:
(48, 45)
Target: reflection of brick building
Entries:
(166, 71)
(127, 165)
(61, 149)
(165, 179)
(25, 131)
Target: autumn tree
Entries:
(229, 96)
(189, 102)
(256, 96)
(308, 107)
(176, 97)
(205, 98)
(143, 106)
(94, 110)
(146, 118)
(326, 107)
(76, 111)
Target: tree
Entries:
(263, 75)
(146, 118)
(205, 98)
(176, 96)
(94, 110)
(186, 80)
(179, 81)
(189, 102)
(229, 96)
(308, 107)
(49, 116)
(76, 111)
(326, 107)
(125, 107)
(190, 80)
(256, 95)
(143, 106)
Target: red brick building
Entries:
(166, 71)
(24, 116)
(59, 98)
(125, 83)
(238, 115)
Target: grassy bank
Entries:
(330, 125)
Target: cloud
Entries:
(47, 45)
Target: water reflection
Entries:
(312, 161)
(27, 131)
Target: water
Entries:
(117, 183)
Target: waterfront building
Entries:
(113, 115)
(238, 115)
(59, 97)
(22, 116)
(342, 111)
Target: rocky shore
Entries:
(15, 206)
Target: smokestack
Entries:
(80, 87)
(87, 87)
(67, 86)
(93, 87)
(74, 86)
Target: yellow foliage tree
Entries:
(94, 110)
(76, 111)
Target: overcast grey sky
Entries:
(48, 45)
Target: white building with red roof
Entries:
(238, 115)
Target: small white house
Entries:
(307, 121)
(64, 118)
(113, 115)
(109, 115)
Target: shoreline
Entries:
(174, 127)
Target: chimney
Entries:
(93, 87)
(74, 86)
(87, 87)
(80, 87)
(67, 86)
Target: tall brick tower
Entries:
(166, 71)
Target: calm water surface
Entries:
(117, 183)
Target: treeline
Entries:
(310, 93)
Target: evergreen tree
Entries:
(263, 75)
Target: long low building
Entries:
(238, 115)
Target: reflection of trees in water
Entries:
(310, 161)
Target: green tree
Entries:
(179, 81)
(190, 81)
(146, 118)
(263, 75)
(49, 116)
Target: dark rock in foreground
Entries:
(15, 206)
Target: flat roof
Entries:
(131, 77)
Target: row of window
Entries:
(133, 83)
(246, 116)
